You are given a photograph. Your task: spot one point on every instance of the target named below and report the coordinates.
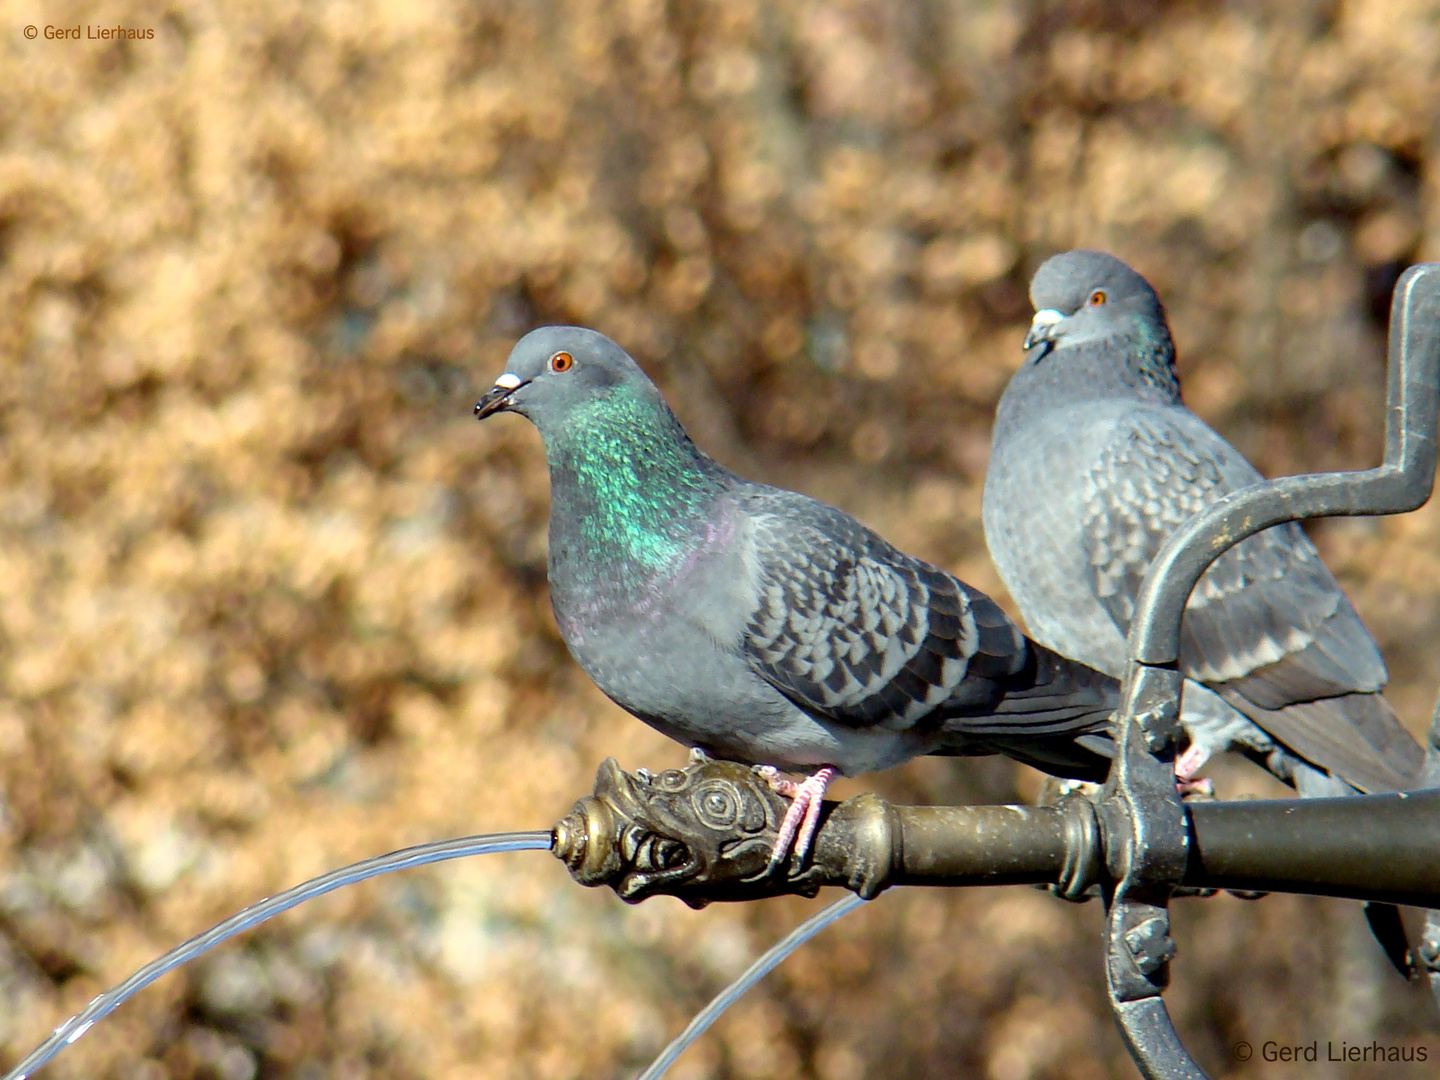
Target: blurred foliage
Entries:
(272, 602)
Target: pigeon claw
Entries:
(1186, 766)
(797, 830)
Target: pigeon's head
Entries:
(1087, 295)
(555, 370)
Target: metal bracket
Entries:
(1146, 824)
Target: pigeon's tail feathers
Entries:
(1049, 695)
(1355, 737)
(1053, 714)
(1085, 758)
(1053, 689)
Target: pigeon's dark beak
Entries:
(498, 398)
(1042, 327)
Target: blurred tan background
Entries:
(270, 601)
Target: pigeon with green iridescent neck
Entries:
(759, 625)
(1095, 462)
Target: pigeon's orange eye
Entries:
(1098, 297)
(562, 361)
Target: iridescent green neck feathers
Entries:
(627, 485)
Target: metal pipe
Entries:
(1367, 847)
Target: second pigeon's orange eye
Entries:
(1098, 297)
(562, 361)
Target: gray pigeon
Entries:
(760, 625)
(1095, 462)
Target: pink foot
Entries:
(1186, 766)
(801, 820)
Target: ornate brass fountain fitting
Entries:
(704, 834)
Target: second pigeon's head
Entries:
(556, 371)
(1090, 296)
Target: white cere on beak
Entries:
(1042, 327)
(508, 381)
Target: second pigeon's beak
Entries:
(1042, 327)
(497, 399)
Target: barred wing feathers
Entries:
(850, 628)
